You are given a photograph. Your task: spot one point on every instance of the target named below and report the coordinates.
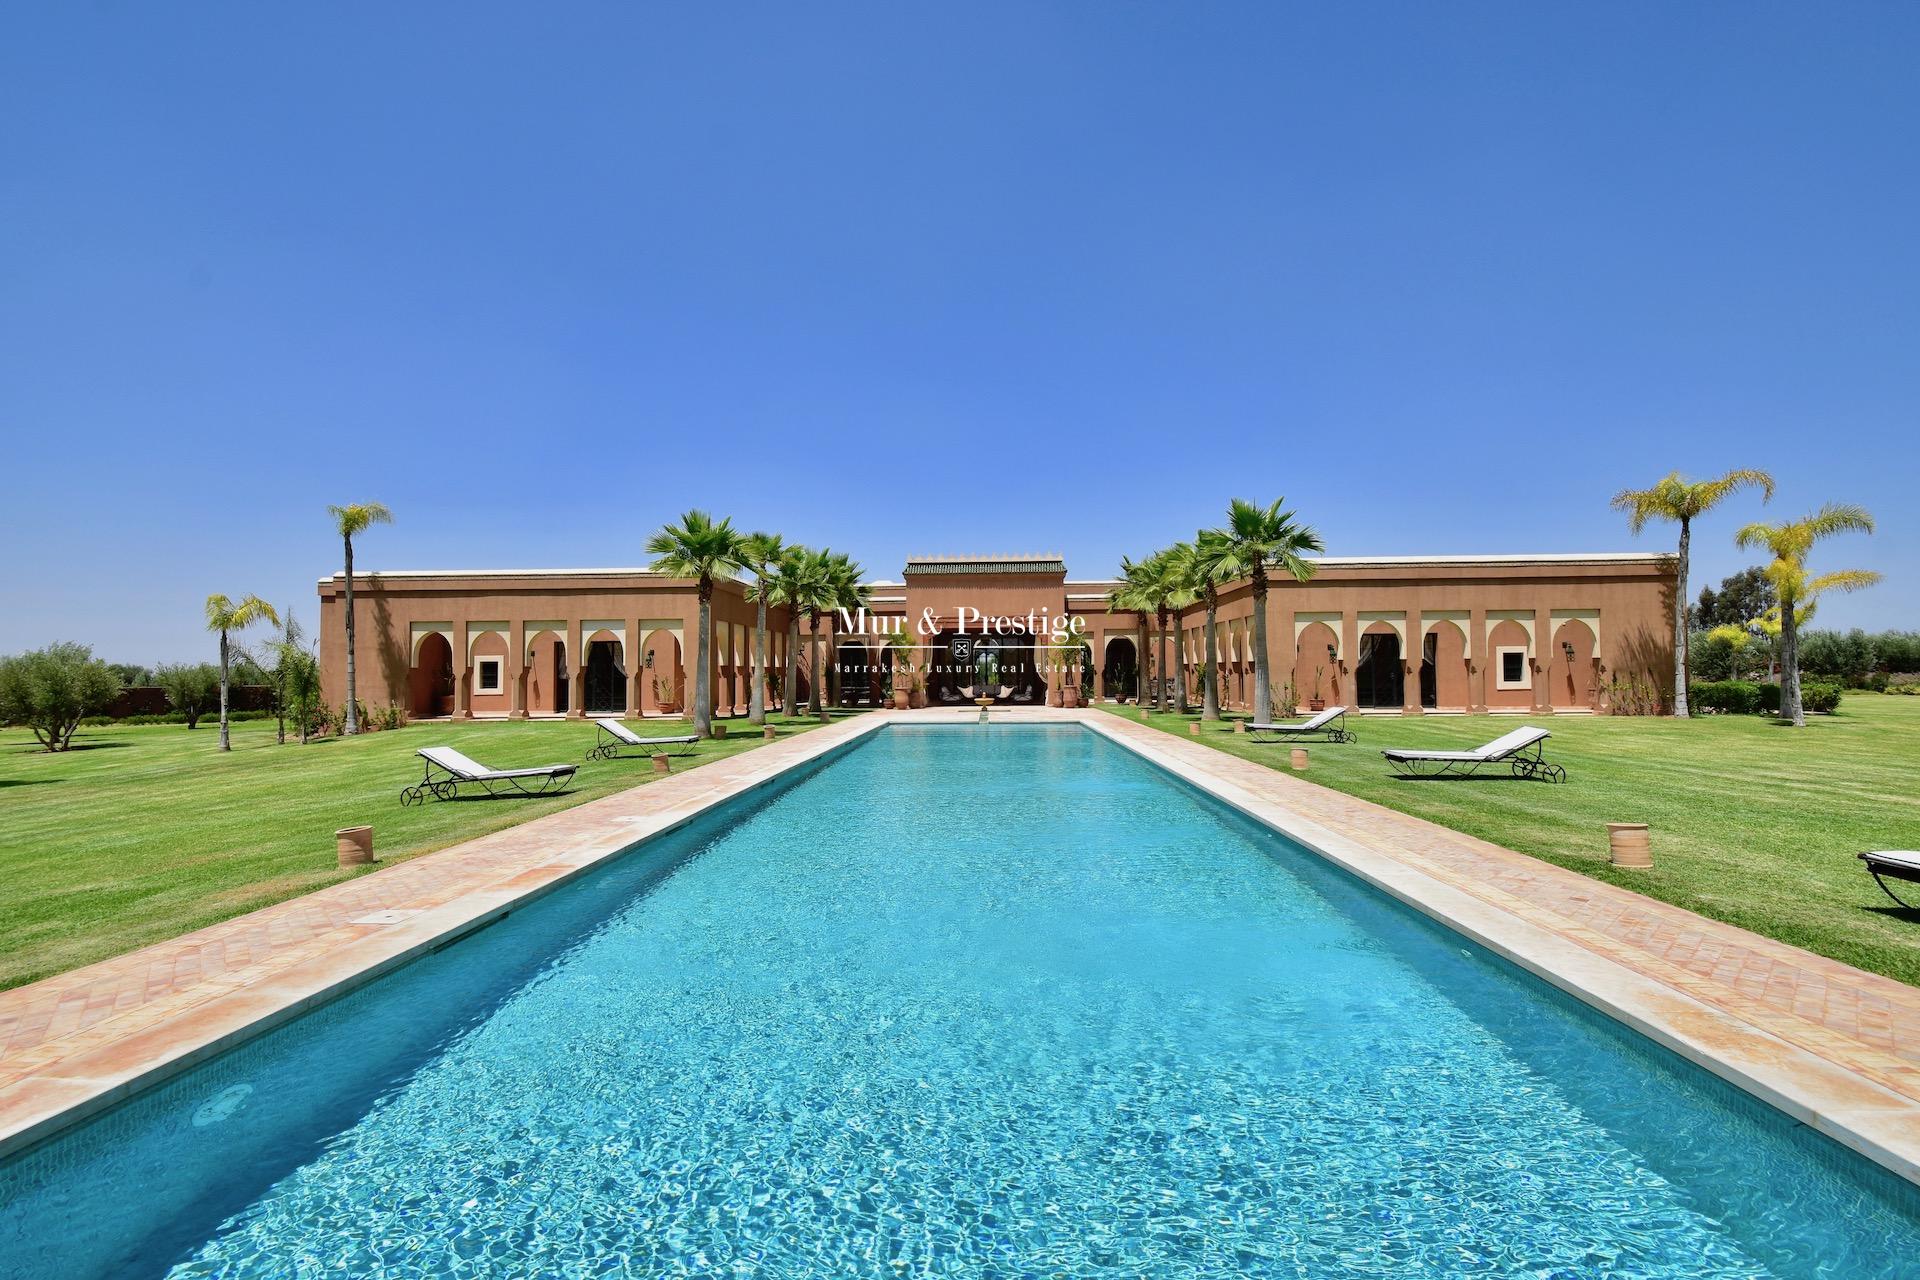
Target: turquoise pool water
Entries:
(1004, 1002)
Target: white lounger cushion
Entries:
(1504, 745)
(1303, 726)
(1906, 859)
(465, 767)
(633, 739)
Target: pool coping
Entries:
(1828, 1096)
(1822, 1092)
(67, 1090)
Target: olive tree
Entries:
(192, 687)
(49, 690)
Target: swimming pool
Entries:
(958, 1001)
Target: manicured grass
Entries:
(140, 834)
(1752, 823)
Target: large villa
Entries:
(1522, 634)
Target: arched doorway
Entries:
(855, 666)
(1121, 671)
(1443, 667)
(1316, 666)
(546, 675)
(1379, 679)
(660, 682)
(605, 678)
(430, 682)
(1574, 681)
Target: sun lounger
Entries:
(1893, 864)
(1330, 725)
(1520, 751)
(613, 735)
(456, 770)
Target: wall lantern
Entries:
(649, 662)
(1567, 648)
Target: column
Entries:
(1343, 687)
(636, 656)
(1477, 661)
(517, 669)
(462, 707)
(1542, 647)
(1410, 656)
(576, 672)
(1099, 662)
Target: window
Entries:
(487, 676)
(1512, 672)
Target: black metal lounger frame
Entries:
(1898, 873)
(606, 745)
(1334, 730)
(1527, 762)
(448, 787)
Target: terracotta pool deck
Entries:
(1830, 1045)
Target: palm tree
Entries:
(1166, 589)
(703, 549)
(1134, 595)
(787, 586)
(1681, 501)
(1206, 564)
(1789, 545)
(225, 616)
(1256, 538)
(760, 553)
(814, 592)
(845, 591)
(347, 521)
(287, 649)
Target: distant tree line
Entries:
(1736, 635)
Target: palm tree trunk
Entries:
(791, 689)
(1163, 699)
(280, 700)
(757, 696)
(226, 744)
(1790, 708)
(813, 669)
(1210, 665)
(351, 724)
(1682, 660)
(1262, 681)
(702, 677)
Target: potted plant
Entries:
(907, 683)
(1316, 702)
(1287, 705)
(666, 693)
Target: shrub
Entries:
(1820, 698)
(1728, 697)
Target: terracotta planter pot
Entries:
(901, 699)
(353, 846)
(663, 764)
(1316, 704)
(1628, 846)
(1299, 760)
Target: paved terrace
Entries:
(1831, 1045)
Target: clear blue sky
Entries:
(907, 278)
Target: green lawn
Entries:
(1752, 823)
(140, 834)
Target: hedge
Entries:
(1747, 697)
